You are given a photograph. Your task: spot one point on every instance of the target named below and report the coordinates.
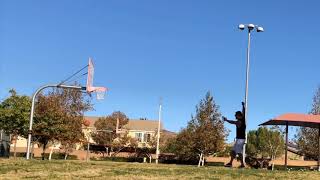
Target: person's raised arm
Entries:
(243, 110)
(230, 121)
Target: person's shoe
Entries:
(228, 165)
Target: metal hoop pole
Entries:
(32, 109)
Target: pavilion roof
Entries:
(295, 119)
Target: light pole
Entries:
(158, 133)
(251, 28)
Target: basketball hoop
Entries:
(100, 91)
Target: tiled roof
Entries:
(144, 125)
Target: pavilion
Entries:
(294, 119)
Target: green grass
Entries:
(59, 169)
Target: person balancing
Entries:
(240, 138)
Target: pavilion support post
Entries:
(286, 150)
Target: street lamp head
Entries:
(241, 26)
(251, 26)
(260, 29)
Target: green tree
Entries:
(265, 143)
(204, 135)
(14, 116)
(307, 138)
(59, 117)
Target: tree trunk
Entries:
(272, 159)
(15, 147)
(44, 149)
(107, 151)
(50, 155)
(200, 159)
(203, 160)
(150, 157)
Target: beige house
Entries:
(144, 131)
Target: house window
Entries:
(147, 137)
(138, 136)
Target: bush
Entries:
(291, 168)
(215, 163)
(120, 159)
(60, 156)
(18, 154)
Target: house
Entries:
(143, 130)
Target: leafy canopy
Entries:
(265, 142)
(307, 138)
(15, 114)
(205, 132)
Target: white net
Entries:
(100, 92)
(100, 95)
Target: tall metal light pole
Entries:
(158, 135)
(250, 27)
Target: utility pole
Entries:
(158, 135)
(117, 126)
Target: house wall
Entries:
(4, 144)
(143, 141)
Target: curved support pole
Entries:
(32, 109)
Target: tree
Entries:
(14, 116)
(265, 143)
(167, 141)
(170, 145)
(59, 117)
(109, 123)
(204, 135)
(123, 141)
(307, 138)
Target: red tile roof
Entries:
(295, 119)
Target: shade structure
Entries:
(295, 119)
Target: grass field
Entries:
(37, 169)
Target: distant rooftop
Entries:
(143, 125)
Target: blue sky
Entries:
(176, 49)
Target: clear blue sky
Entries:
(177, 49)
